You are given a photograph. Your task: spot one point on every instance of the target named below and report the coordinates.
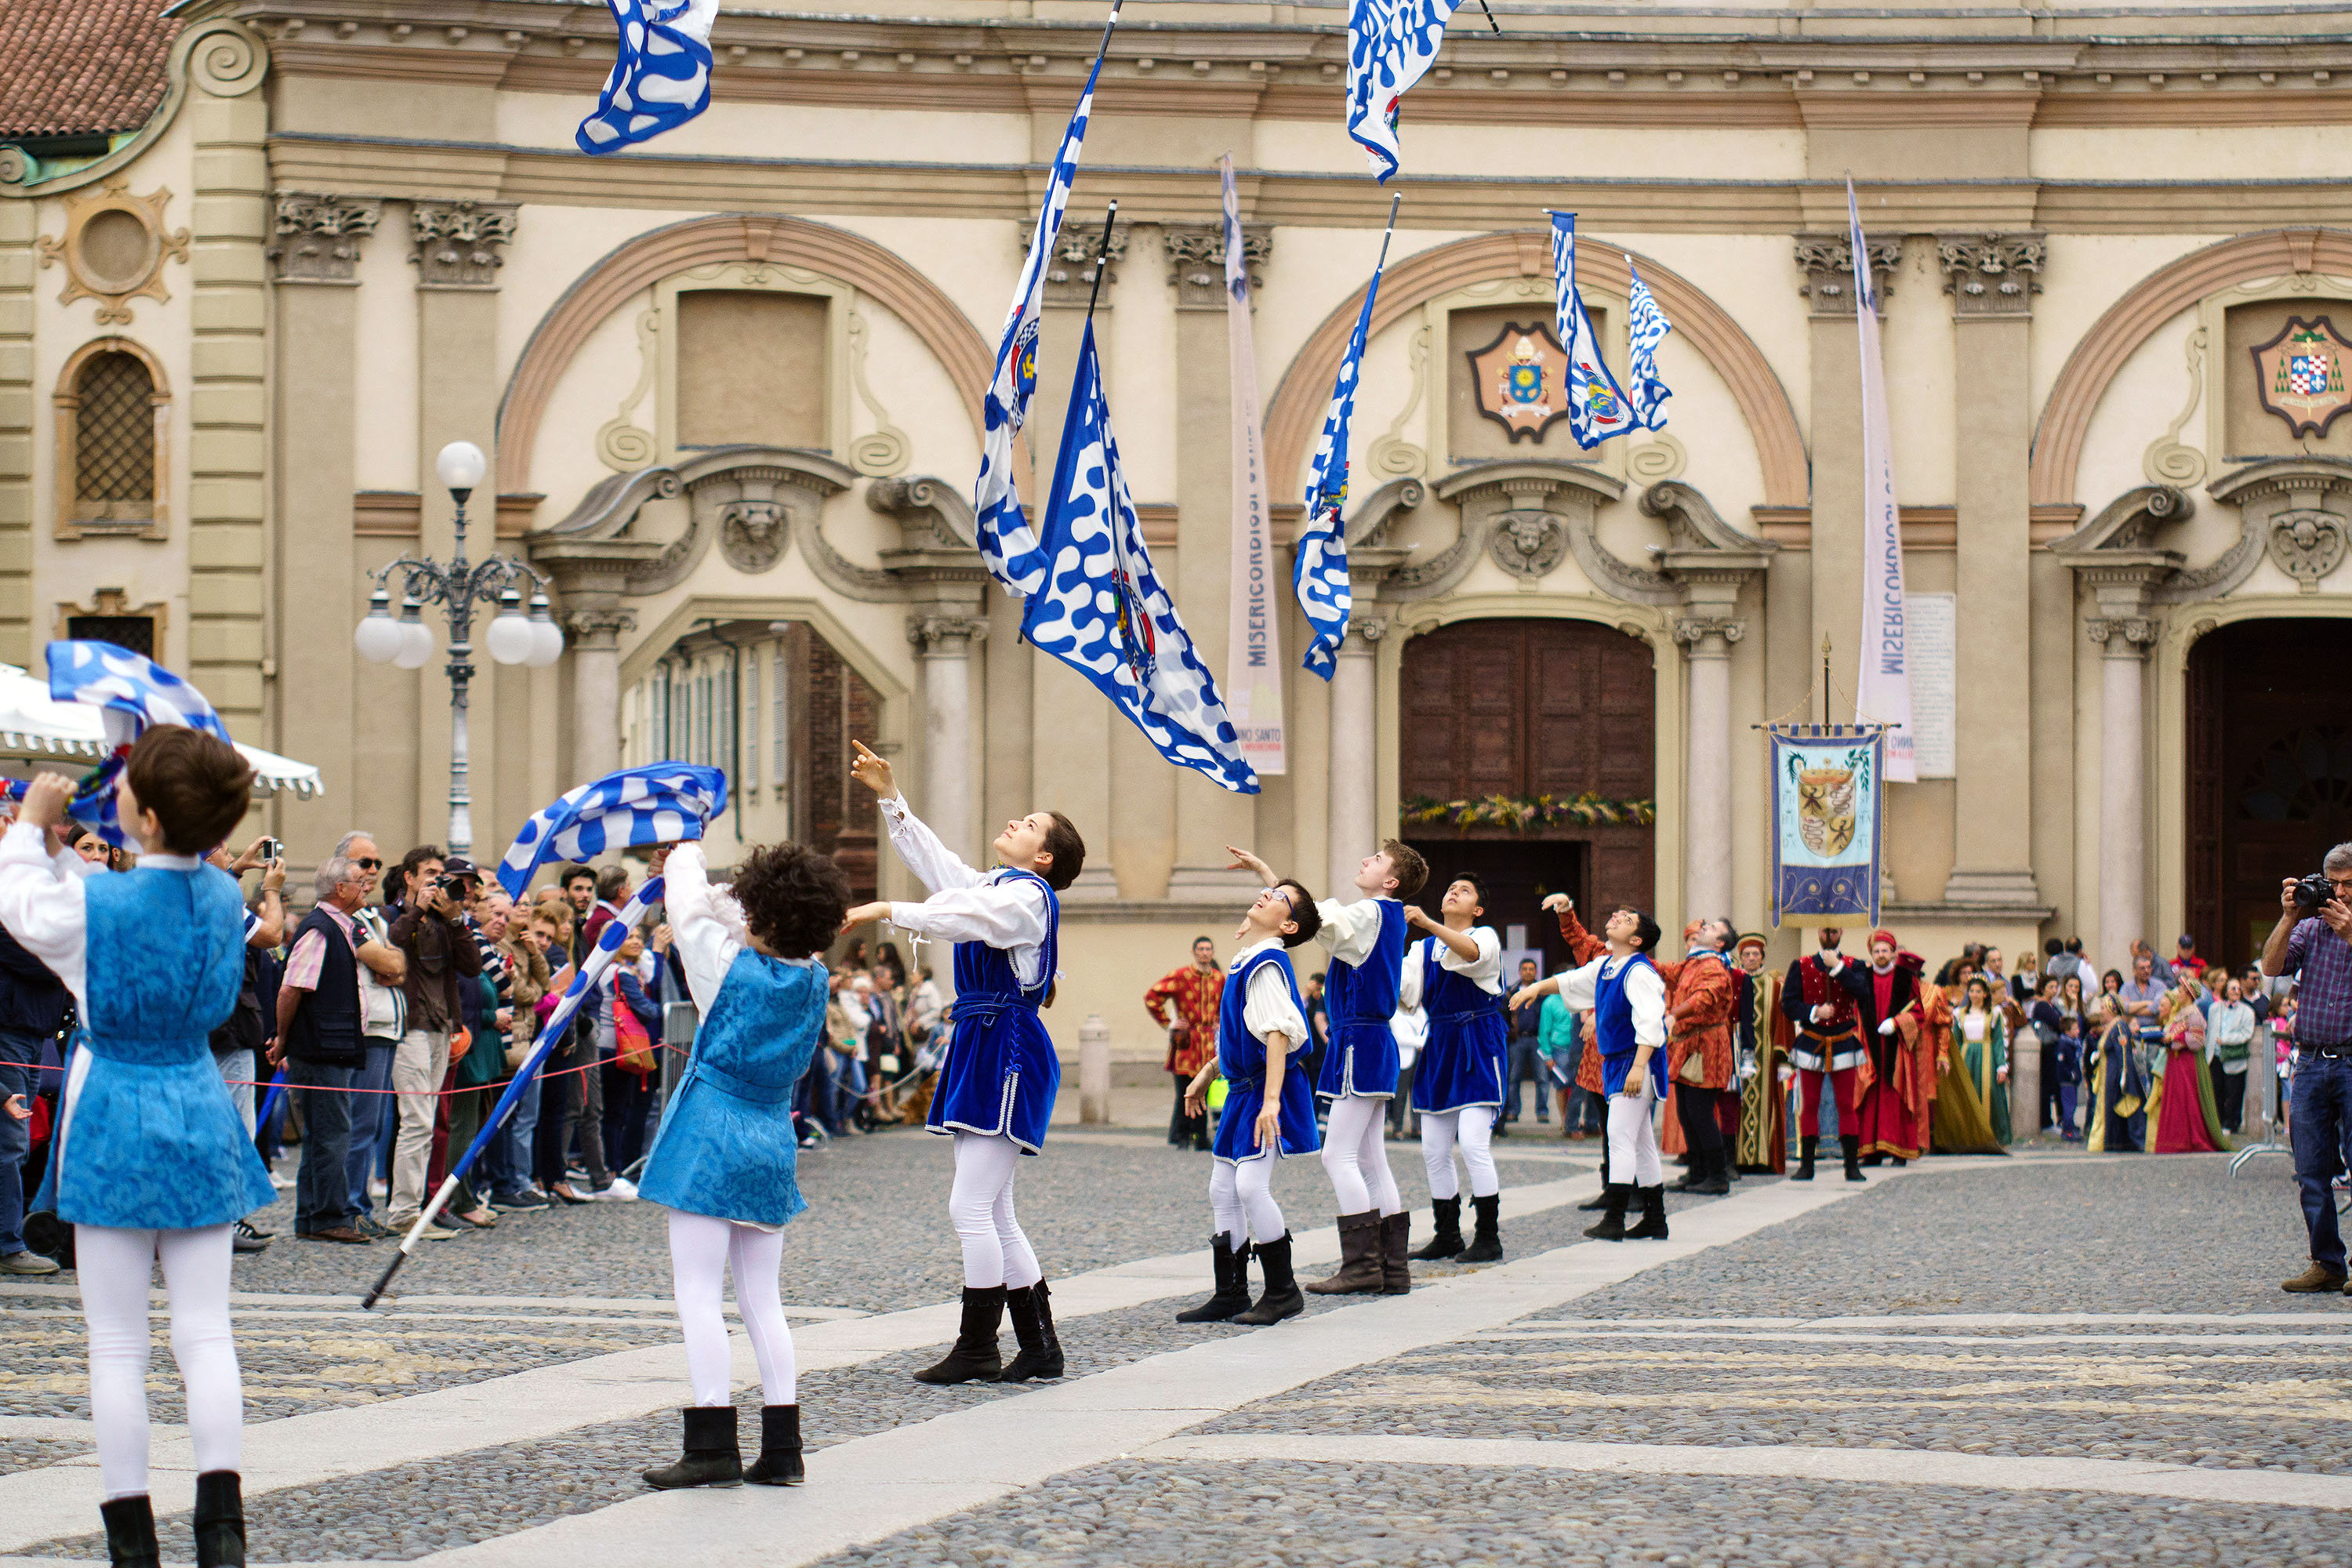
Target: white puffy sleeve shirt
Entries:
(1645, 990)
(43, 905)
(1267, 1007)
(1349, 930)
(966, 905)
(1486, 971)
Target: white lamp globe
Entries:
(377, 637)
(415, 643)
(461, 466)
(547, 643)
(510, 637)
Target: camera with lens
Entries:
(2313, 892)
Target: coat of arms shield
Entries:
(2299, 374)
(1826, 809)
(1521, 380)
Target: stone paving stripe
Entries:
(1883, 1466)
(304, 1450)
(872, 1488)
(658, 1306)
(1954, 1321)
(1581, 1332)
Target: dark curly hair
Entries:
(794, 899)
(1303, 910)
(1069, 852)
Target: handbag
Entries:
(633, 1047)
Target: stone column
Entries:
(596, 687)
(1706, 833)
(945, 643)
(1992, 278)
(2123, 786)
(1354, 757)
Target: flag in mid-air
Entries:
(1645, 327)
(1391, 44)
(660, 803)
(131, 692)
(1882, 693)
(1102, 610)
(662, 76)
(1253, 641)
(1597, 407)
(1318, 570)
(1007, 546)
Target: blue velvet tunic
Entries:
(726, 1147)
(1462, 1061)
(1361, 999)
(1240, 1056)
(1612, 1031)
(149, 1139)
(1000, 1074)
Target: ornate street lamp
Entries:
(514, 636)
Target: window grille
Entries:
(114, 440)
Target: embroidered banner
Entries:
(1828, 784)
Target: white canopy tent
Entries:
(34, 728)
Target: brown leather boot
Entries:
(2314, 1280)
(1359, 1257)
(1396, 1271)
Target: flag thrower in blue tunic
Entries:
(1597, 405)
(1102, 610)
(1318, 570)
(1001, 528)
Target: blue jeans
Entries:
(235, 1069)
(18, 1053)
(510, 1154)
(322, 1197)
(1587, 1112)
(1528, 1067)
(2323, 1101)
(372, 1119)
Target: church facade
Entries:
(731, 383)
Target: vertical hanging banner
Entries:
(1882, 694)
(1253, 642)
(1827, 789)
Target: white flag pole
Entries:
(1883, 691)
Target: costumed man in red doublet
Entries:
(1887, 994)
(1702, 997)
(1195, 991)
(1584, 947)
(1828, 1042)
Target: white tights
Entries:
(701, 1251)
(114, 1266)
(1633, 1137)
(980, 1206)
(1473, 1128)
(1354, 1158)
(1241, 1195)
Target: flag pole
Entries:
(1395, 199)
(1102, 252)
(1483, 6)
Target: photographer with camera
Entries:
(2313, 940)
(441, 953)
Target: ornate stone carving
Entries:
(930, 511)
(1367, 629)
(2306, 544)
(1196, 261)
(461, 243)
(1692, 631)
(1530, 544)
(2168, 462)
(2123, 636)
(599, 625)
(623, 445)
(949, 636)
(1992, 274)
(1070, 270)
(884, 449)
(114, 248)
(317, 238)
(1827, 262)
(751, 533)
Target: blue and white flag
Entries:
(1391, 44)
(1597, 407)
(1103, 611)
(661, 78)
(1318, 567)
(660, 803)
(1646, 328)
(1007, 547)
(131, 692)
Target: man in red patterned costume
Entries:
(1890, 1012)
(1701, 995)
(1821, 1007)
(1194, 991)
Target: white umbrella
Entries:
(33, 726)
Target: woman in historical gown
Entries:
(2118, 1118)
(1762, 1142)
(1968, 1116)
(2180, 1108)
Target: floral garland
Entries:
(1519, 813)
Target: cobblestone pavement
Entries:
(2120, 1310)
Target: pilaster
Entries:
(18, 231)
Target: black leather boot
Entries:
(1601, 1202)
(1653, 1215)
(1612, 1219)
(1852, 1143)
(1446, 1238)
(1282, 1298)
(1232, 1285)
(778, 1464)
(1359, 1257)
(1040, 1355)
(973, 1357)
(712, 1456)
(220, 1520)
(1486, 1245)
(131, 1533)
(1396, 1263)
(1713, 1181)
(1809, 1143)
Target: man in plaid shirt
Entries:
(1194, 991)
(2319, 950)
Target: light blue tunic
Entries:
(726, 1147)
(150, 1139)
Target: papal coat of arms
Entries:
(1826, 809)
(1521, 380)
(2299, 374)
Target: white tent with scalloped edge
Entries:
(35, 728)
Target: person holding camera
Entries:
(441, 953)
(2313, 940)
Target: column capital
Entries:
(2123, 636)
(945, 636)
(317, 239)
(598, 628)
(1196, 260)
(1364, 634)
(1709, 637)
(1992, 274)
(1827, 262)
(460, 244)
(1070, 269)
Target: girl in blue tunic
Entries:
(1454, 974)
(996, 1090)
(723, 1160)
(151, 1163)
(1269, 1111)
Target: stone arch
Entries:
(1297, 411)
(730, 237)
(2128, 323)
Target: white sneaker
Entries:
(621, 1191)
(281, 1183)
(399, 1228)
